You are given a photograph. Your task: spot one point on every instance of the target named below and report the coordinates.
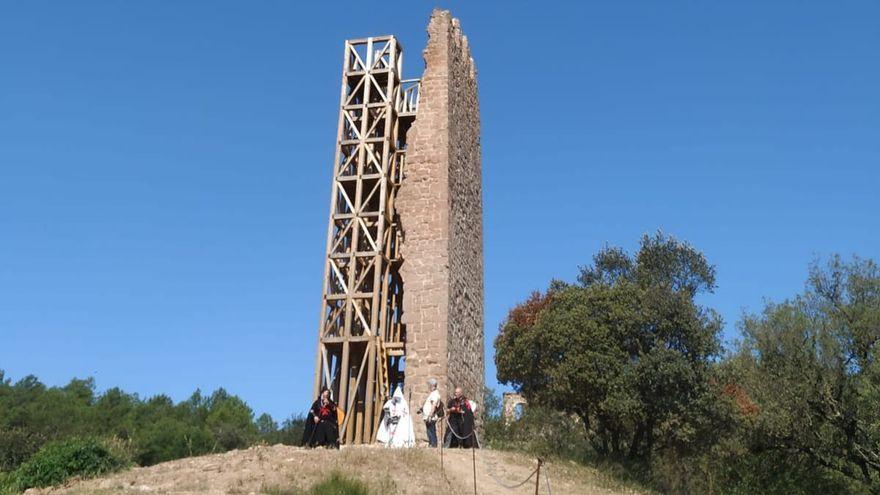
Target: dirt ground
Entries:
(275, 468)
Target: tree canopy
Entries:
(155, 429)
(629, 353)
(626, 349)
(811, 363)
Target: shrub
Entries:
(122, 449)
(8, 484)
(56, 462)
(169, 438)
(335, 484)
(291, 430)
(16, 446)
(540, 431)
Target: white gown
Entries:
(397, 433)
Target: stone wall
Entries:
(466, 222)
(440, 206)
(509, 401)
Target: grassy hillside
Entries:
(281, 469)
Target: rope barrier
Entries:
(489, 469)
(547, 480)
(497, 480)
(452, 430)
(512, 487)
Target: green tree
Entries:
(149, 431)
(114, 411)
(627, 350)
(5, 399)
(267, 428)
(16, 446)
(168, 438)
(291, 431)
(811, 365)
(230, 421)
(491, 404)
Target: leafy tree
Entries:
(266, 426)
(811, 365)
(491, 404)
(291, 431)
(114, 411)
(196, 407)
(168, 438)
(230, 421)
(148, 431)
(16, 446)
(627, 350)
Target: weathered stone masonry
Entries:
(440, 206)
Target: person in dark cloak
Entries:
(322, 428)
(461, 421)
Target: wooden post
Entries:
(474, 458)
(345, 370)
(318, 361)
(370, 396)
(538, 476)
(440, 440)
(350, 417)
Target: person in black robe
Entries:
(322, 429)
(461, 422)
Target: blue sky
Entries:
(165, 166)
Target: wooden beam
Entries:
(344, 372)
(347, 421)
(370, 395)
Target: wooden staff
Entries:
(538, 475)
(474, 456)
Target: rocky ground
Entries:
(276, 469)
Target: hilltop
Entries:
(277, 468)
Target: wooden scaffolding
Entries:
(361, 340)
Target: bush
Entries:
(291, 431)
(121, 449)
(335, 484)
(8, 484)
(16, 446)
(540, 431)
(169, 438)
(56, 462)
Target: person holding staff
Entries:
(322, 428)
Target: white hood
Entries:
(400, 434)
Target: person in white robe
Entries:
(396, 428)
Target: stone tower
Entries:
(403, 281)
(440, 205)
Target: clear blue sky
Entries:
(165, 166)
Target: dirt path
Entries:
(499, 473)
(492, 476)
(405, 471)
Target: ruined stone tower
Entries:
(440, 204)
(403, 281)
